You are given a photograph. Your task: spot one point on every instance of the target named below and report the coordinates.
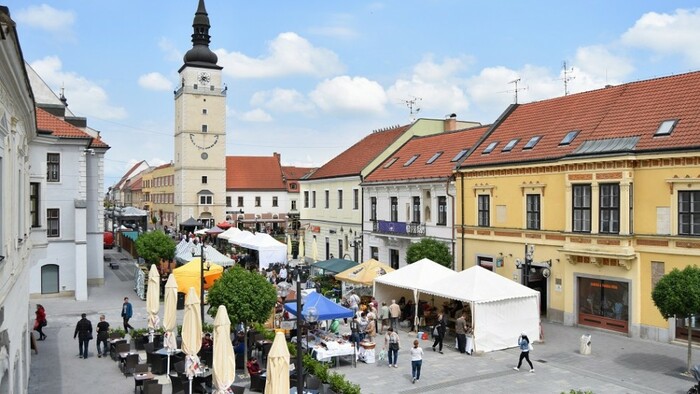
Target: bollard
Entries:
(585, 347)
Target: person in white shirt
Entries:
(282, 275)
(416, 360)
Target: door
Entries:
(394, 258)
(49, 279)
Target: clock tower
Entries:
(200, 131)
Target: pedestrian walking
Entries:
(83, 331)
(384, 317)
(40, 321)
(525, 347)
(439, 331)
(416, 360)
(394, 314)
(127, 312)
(461, 331)
(392, 343)
(102, 337)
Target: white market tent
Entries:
(270, 250)
(229, 233)
(418, 277)
(183, 254)
(501, 308)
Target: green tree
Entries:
(154, 246)
(249, 298)
(429, 248)
(677, 295)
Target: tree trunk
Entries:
(690, 343)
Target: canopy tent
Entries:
(501, 308)
(365, 273)
(184, 254)
(229, 233)
(191, 222)
(189, 275)
(419, 277)
(269, 249)
(334, 266)
(326, 309)
(215, 230)
(132, 212)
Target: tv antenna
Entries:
(413, 108)
(516, 90)
(567, 77)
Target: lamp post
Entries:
(203, 260)
(300, 367)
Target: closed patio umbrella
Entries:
(153, 300)
(191, 334)
(224, 361)
(278, 366)
(170, 316)
(301, 249)
(289, 246)
(314, 250)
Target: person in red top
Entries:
(40, 321)
(207, 342)
(254, 367)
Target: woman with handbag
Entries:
(439, 331)
(40, 321)
(392, 343)
(525, 347)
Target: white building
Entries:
(17, 131)
(331, 198)
(411, 195)
(66, 210)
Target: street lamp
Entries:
(203, 260)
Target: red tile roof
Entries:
(128, 174)
(47, 123)
(634, 109)
(358, 156)
(450, 144)
(253, 173)
(295, 173)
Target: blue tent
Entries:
(327, 309)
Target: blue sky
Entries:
(308, 79)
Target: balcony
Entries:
(399, 228)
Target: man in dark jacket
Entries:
(102, 337)
(83, 330)
(127, 312)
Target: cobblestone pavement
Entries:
(618, 364)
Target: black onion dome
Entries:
(200, 54)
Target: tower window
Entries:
(204, 179)
(204, 128)
(204, 111)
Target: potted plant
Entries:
(138, 336)
(117, 331)
(337, 383)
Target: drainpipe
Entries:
(461, 175)
(452, 204)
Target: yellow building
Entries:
(589, 198)
(158, 188)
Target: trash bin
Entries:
(585, 344)
(180, 301)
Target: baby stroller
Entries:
(695, 371)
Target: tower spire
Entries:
(200, 55)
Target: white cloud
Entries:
(667, 34)
(47, 18)
(341, 32)
(598, 62)
(288, 54)
(83, 95)
(257, 115)
(349, 95)
(282, 100)
(170, 50)
(436, 84)
(155, 81)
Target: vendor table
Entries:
(325, 346)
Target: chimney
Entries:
(450, 122)
(277, 155)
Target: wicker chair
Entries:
(130, 364)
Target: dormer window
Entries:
(533, 141)
(392, 161)
(569, 137)
(435, 157)
(411, 160)
(666, 127)
(490, 148)
(509, 146)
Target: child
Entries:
(416, 360)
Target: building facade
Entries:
(200, 131)
(589, 198)
(158, 187)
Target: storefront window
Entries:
(604, 303)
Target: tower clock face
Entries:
(204, 78)
(200, 143)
